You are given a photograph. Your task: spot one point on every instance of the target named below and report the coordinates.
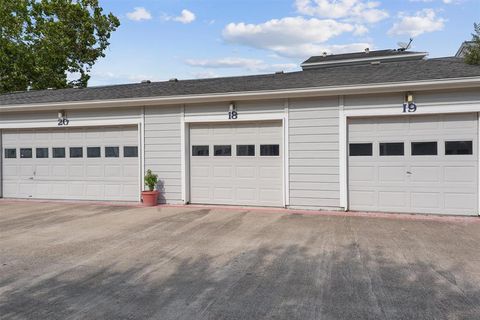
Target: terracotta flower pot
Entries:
(150, 198)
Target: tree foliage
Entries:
(473, 52)
(51, 43)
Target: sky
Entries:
(190, 39)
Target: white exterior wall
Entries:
(163, 150)
(81, 117)
(314, 168)
(447, 98)
(244, 109)
(314, 155)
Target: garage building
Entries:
(385, 130)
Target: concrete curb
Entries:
(350, 214)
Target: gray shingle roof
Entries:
(358, 55)
(440, 68)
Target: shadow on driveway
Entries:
(283, 282)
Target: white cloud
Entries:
(139, 14)
(185, 17)
(360, 30)
(423, 21)
(357, 10)
(241, 63)
(293, 36)
(285, 31)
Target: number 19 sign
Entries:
(409, 107)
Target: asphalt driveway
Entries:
(80, 261)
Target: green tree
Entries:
(51, 43)
(473, 52)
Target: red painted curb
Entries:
(353, 214)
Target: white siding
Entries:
(42, 118)
(447, 97)
(243, 108)
(163, 150)
(425, 98)
(313, 157)
(388, 100)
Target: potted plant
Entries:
(150, 196)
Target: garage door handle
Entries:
(408, 172)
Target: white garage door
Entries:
(418, 164)
(236, 164)
(97, 163)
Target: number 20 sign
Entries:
(63, 122)
(409, 107)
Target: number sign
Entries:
(63, 122)
(409, 107)
(232, 115)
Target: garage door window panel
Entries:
(93, 152)
(58, 152)
(26, 153)
(41, 153)
(269, 150)
(200, 151)
(112, 152)
(246, 150)
(222, 151)
(76, 152)
(458, 147)
(130, 152)
(10, 153)
(424, 148)
(361, 149)
(392, 149)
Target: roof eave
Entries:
(437, 84)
